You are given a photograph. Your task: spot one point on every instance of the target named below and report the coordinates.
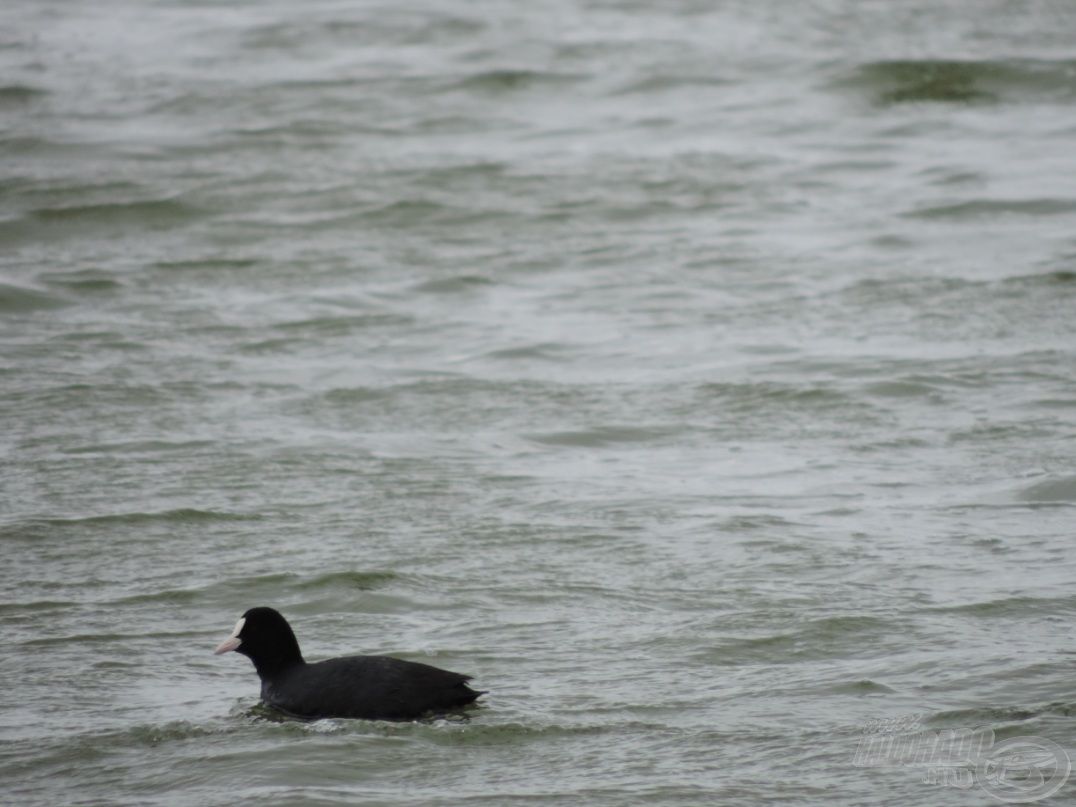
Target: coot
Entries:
(371, 687)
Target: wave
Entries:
(664, 82)
(603, 436)
(508, 80)
(74, 221)
(178, 515)
(863, 686)
(20, 94)
(453, 285)
(1058, 489)
(971, 209)
(157, 211)
(18, 299)
(900, 81)
(363, 581)
(139, 447)
(250, 587)
(1010, 606)
(343, 324)
(1048, 279)
(213, 263)
(36, 605)
(546, 351)
(828, 637)
(775, 397)
(996, 714)
(83, 281)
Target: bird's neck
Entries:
(272, 665)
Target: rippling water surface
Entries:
(698, 376)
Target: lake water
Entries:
(700, 377)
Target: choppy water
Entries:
(702, 380)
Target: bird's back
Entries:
(371, 687)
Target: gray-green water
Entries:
(702, 380)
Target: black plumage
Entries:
(370, 687)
